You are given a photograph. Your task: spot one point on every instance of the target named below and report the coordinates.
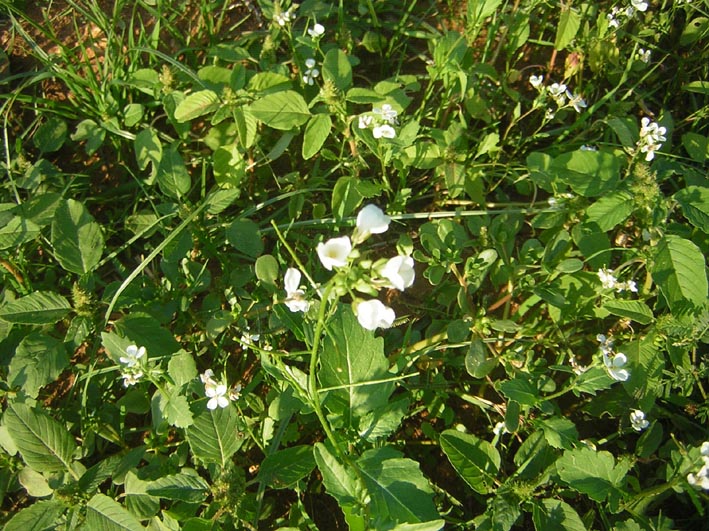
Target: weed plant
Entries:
(369, 265)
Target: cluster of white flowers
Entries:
(614, 361)
(560, 93)
(701, 478)
(397, 272)
(311, 72)
(652, 135)
(638, 420)
(218, 393)
(132, 370)
(381, 118)
(609, 281)
(619, 15)
(285, 17)
(643, 55)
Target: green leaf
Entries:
(522, 390)
(569, 24)
(353, 359)
(148, 150)
(45, 445)
(588, 173)
(91, 132)
(556, 515)
(222, 199)
(173, 178)
(336, 68)
(215, 435)
(679, 271)
(590, 472)
(694, 201)
(477, 363)
(281, 110)
(285, 468)
(17, 231)
(40, 307)
(229, 166)
(182, 487)
(316, 132)
(346, 196)
(175, 409)
(38, 360)
(266, 269)
(638, 311)
(34, 483)
(182, 368)
(475, 460)
(340, 483)
(106, 514)
(76, 237)
(40, 516)
(50, 136)
(244, 236)
(559, 432)
(610, 210)
(399, 491)
(197, 104)
(383, 421)
(697, 146)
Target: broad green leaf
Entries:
(626, 129)
(229, 166)
(91, 132)
(522, 390)
(610, 210)
(647, 364)
(40, 208)
(182, 487)
(17, 231)
(76, 237)
(679, 271)
(144, 330)
(345, 196)
(215, 435)
(45, 445)
(105, 514)
(34, 483)
(138, 501)
(336, 68)
(40, 516)
(244, 236)
(38, 360)
(175, 409)
(222, 199)
(559, 432)
(197, 104)
(340, 483)
(589, 472)
(50, 136)
(281, 110)
(132, 115)
(316, 132)
(148, 150)
(173, 178)
(40, 307)
(477, 362)
(556, 515)
(638, 311)
(475, 460)
(383, 421)
(697, 146)
(353, 360)
(182, 368)
(694, 201)
(592, 380)
(569, 23)
(588, 173)
(266, 269)
(399, 491)
(696, 29)
(433, 525)
(284, 468)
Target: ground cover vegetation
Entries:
(379, 264)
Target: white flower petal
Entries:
(334, 252)
(374, 314)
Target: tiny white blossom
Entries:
(643, 55)
(334, 252)
(207, 376)
(607, 279)
(133, 354)
(295, 296)
(588, 148)
(499, 428)
(372, 220)
(316, 31)
(536, 81)
(387, 113)
(373, 314)
(311, 72)
(310, 62)
(652, 135)
(249, 339)
(640, 5)
(399, 271)
(704, 448)
(630, 285)
(132, 378)
(638, 420)
(285, 17)
(576, 101)
(365, 120)
(384, 131)
(615, 366)
(558, 92)
(216, 392)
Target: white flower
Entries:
(235, 393)
(133, 354)
(638, 420)
(372, 220)
(373, 314)
(316, 31)
(285, 17)
(615, 366)
(576, 101)
(588, 148)
(704, 449)
(387, 113)
(384, 131)
(558, 92)
(311, 72)
(334, 252)
(365, 120)
(640, 5)
(652, 135)
(249, 339)
(499, 428)
(643, 55)
(612, 21)
(208, 377)
(536, 81)
(607, 279)
(295, 296)
(216, 392)
(132, 378)
(630, 285)
(606, 345)
(399, 271)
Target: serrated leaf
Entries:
(284, 468)
(182, 487)
(281, 110)
(590, 472)
(182, 368)
(106, 514)
(76, 237)
(316, 132)
(40, 307)
(610, 210)
(176, 409)
(475, 460)
(38, 360)
(559, 432)
(197, 104)
(214, 435)
(679, 271)
(522, 390)
(556, 515)
(694, 201)
(40, 516)
(173, 178)
(638, 311)
(45, 445)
